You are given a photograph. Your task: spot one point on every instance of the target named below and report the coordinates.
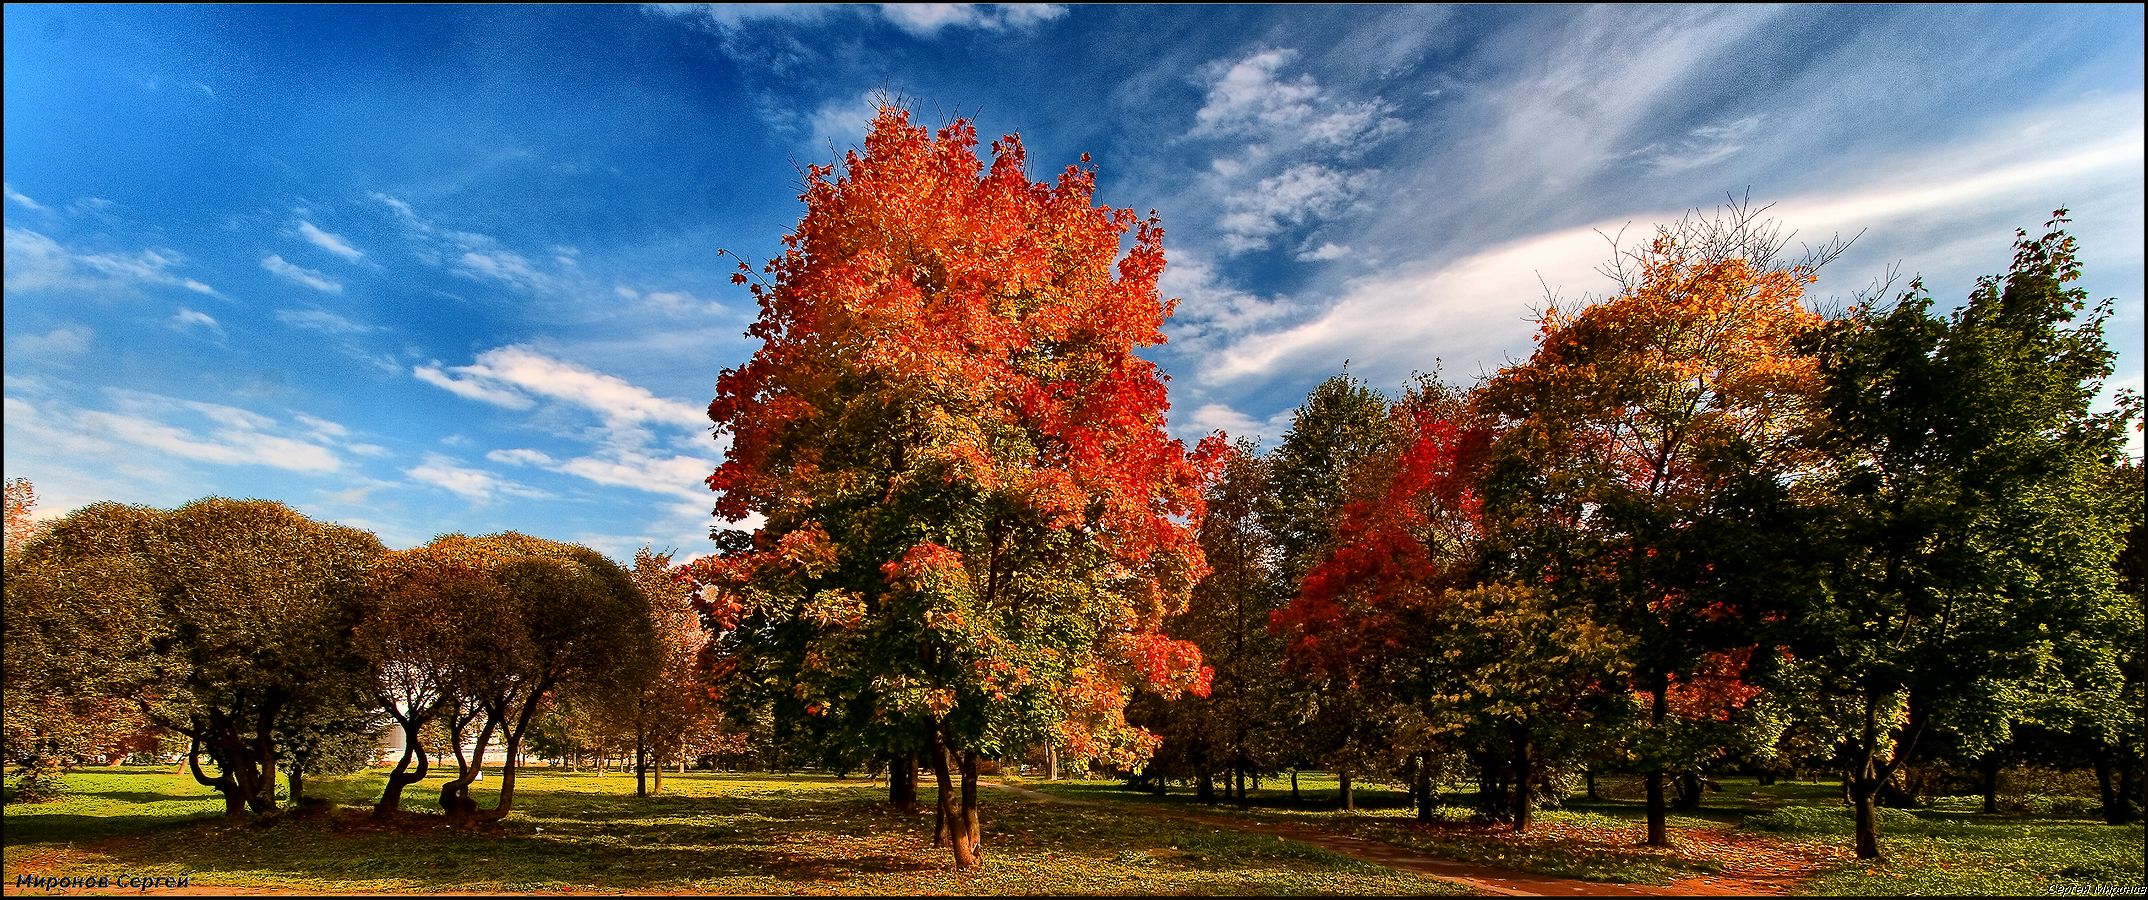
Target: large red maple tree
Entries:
(973, 520)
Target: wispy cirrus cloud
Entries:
(37, 263)
(300, 275)
(477, 485)
(19, 199)
(919, 19)
(332, 243)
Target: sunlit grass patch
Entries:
(707, 833)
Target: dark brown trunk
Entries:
(1659, 834)
(972, 826)
(1522, 776)
(1294, 786)
(297, 778)
(1991, 783)
(1865, 780)
(1589, 775)
(943, 807)
(1349, 799)
(402, 776)
(902, 782)
(234, 801)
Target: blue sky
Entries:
(423, 269)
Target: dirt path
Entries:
(1506, 882)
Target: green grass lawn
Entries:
(707, 833)
(1746, 828)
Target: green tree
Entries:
(215, 618)
(1964, 461)
(1342, 424)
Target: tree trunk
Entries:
(1990, 765)
(1658, 832)
(1865, 781)
(1589, 775)
(1349, 799)
(641, 763)
(1204, 784)
(1409, 778)
(1689, 791)
(972, 825)
(391, 797)
(234, 801)
(1294, 786)
(902, 782)
(1051, 762)
(1239, 775)
(1522, 775)
(944, 805)
(1424, 788)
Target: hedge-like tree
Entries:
(217, 619)
(974, 520)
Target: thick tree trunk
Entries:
(1294, 786)
(1204, 784)
(972, 824)
(1409, 778)
(1990, 766)
(1865, 780)
(902, 782)
(391, 797)
(1689, 791)
(1523, 773)
(943, 807)
(1349, 799)
(234, 801)
(1659, 834)
(455, 799)
(297, 779)
(1051, 762)
(1589, 775)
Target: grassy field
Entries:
(1798, 831)
(708, 833)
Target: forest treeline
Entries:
(1701, 528)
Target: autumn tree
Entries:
(21, 501)
(1970, 528)
(1236, 730)
(216, 619)
(974, 522)
(656, 700)
(1342, 425)
(414, 639)
(539, 615)
(1643, 445)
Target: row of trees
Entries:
(1701, 525)
(1701, 517)
(273, 643)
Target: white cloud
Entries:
(505, 266)
(928, 19)
(1475, 309)
(919, 19)
(1303, 193)
(39, 263)
(66, 340)
(186, 319)
(330, 242)
(233, 436)
(520, 457)
(841, 123)
(24, 201)
(1323, 253)
(1699, 147)
(506, 376)
(477, 485)
(1287, 144)
(301, 275)
(321, 320)
(471, 388)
